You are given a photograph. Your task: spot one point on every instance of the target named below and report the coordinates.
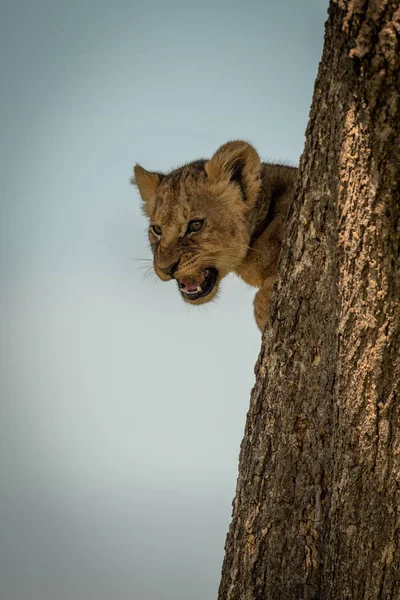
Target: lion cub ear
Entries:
(239, 163)
(147, 184)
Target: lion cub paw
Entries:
(262, 302)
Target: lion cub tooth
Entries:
(199, 288)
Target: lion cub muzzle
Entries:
(170, 269)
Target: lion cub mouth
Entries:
(193, 289)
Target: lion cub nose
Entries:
(170, 269)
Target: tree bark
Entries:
(317, 507)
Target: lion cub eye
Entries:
(195, 226)
(156, 230)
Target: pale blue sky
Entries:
(122, 408)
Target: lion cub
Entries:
(212, 217)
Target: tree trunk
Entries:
(317, 507)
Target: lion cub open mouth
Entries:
(193, 289)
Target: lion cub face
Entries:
(199, 218)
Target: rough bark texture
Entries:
(317, 507)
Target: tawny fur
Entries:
(243, 203)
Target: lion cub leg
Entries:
(262, 301)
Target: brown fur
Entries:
(243, 203)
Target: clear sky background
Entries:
(123, 409)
